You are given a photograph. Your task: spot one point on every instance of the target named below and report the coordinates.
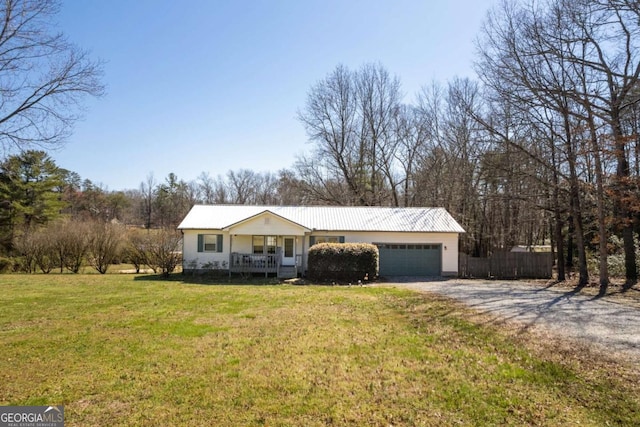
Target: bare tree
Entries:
(162, 250)
(266, 189)
(135, 248)
(43, 77)
(378, 96)
(615, 68)
(330, 121)
(412, 136)
(71, 244)
(242, 185)
(25, 245)
(221, 191)
(104, 244)
(523, 61)
(206, 186)
(38, 249)
(290, 189)
(315, 183)
(349, 117)
(448, 146)
(147, 191)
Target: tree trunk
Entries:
(625, 220)
(558, 222)
(583, 278)
(600, 198)
(576, 210)
(559, 243)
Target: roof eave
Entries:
(249, 218)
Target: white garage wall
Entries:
(449, 242)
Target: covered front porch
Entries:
(267, 243)
(250, 263)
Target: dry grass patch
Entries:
(119, 351)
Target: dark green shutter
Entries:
(200, 242)
(219, 243)
(341, 239)
(312, 240)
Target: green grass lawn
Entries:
(131, 350)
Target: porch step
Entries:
(287, 272)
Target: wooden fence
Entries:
(507, 265)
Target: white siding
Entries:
(449, 242)
(230, 243)
(243, 243)
(190, 248)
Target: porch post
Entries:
(304, 261)
(230, 253)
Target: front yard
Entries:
(132, 350)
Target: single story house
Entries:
(276, 239)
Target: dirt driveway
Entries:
(602, 322)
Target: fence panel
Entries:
(507, 265)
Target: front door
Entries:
(289, 251)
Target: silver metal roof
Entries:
(328, 218)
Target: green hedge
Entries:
(343, 262)
(6, 264)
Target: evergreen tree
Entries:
(30, 185)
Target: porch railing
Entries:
(254, 263)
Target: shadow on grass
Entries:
(205, 279)
(234, 280)
(611, 288)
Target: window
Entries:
(258, 244)
(325, 239)
(209, 242)
(271, 244)
(264, 244)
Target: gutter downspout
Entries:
(182, 233)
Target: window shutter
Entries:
(341, 239)
(312, 240)
(200, 243)
(219, 243)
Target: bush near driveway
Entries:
(343, 262)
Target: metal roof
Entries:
(328, 218)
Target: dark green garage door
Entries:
(410, 260)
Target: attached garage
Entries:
(410, 259)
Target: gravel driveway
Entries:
(606, 323)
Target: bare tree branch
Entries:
(43, 77)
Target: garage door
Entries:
(410, 260)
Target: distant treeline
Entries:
(543, 148)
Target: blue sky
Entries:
(209, 86)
